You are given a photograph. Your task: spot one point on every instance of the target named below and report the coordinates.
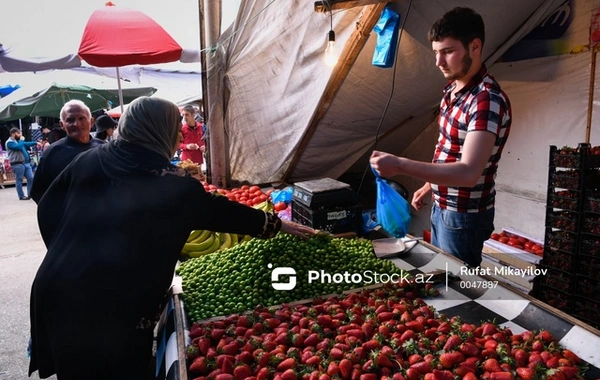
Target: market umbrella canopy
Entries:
(117, 36)
(48, 100)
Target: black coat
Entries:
(114, 223)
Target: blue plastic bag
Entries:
(393, 211)
(387, 38)
(284, 195)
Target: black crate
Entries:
(334, 219)
(587, 310)
(581, 157)
(563, 240)
(592, 203)
(564, 220)
(559, 280)
(564, 199)
(589, 265)
(555, 298)
(590, 245)
(591, 225)
(556, 258)
(588, 288)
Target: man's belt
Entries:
(16, 163)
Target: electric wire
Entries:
(385, 110)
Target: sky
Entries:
(40, 28)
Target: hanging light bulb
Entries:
(331, 53)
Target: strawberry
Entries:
(422, 367)
(490, 344)
(345, 367)
(552, 362)
(413, 374)
(242, 372)
(537, 345)
(491, 365)
(356, 333)
(415, 326)
(313, 361)
(521, 357)
(453, 341)
(385, 316)
(336, 353)
(526, 373)
(224, 376)
(286, 364)
(569, 372)
(449, 359)
(442, 375)
(414, 358)
(289, 374)
(545, 336)
(198, 365)
(367, 329)
(333, 369)
(382, 360)
(192, 352)
(263, 373)
(312, 340)
(553, 374)
(488, 329)
(226, 364)
(217, 334)
(501, 376)
(245, 357)
(371, 345)
(469, 349)
(230, 349)
(324, 320)
(368, 376)
(571, 356)
(470, 376)
(463, 369)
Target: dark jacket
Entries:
(54, 160)
(92, 290)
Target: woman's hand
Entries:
(296, 229)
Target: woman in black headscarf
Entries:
(94, 300)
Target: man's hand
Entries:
(203, 148)
(296, 229)
(419, 197)
(191, 147)
(387, 165)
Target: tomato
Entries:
(528, 245)
(495, 236)
(503, 239)
(522, 240)
(268, 193)
(515, 243)
(503, 234)
(262, 198)
(279, 206)
(212, 187)
(253, 189)
(513, 240)
(222, 191)
(245, 187)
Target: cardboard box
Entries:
(508, 255)
(502, 273)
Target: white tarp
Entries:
(271, 77)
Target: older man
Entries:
(76, 119)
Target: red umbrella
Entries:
(117, 36)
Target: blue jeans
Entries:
(21, 170)
(461, 234)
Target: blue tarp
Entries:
(5, 90)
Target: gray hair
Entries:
(71, 103)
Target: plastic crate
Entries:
(588, 288)
(587, 310)
(592, 204)
(589, 265)
(563, 240)
(564, 220)
(564, 199)
(575, 158)
(591, 225)
(566, 160)
(590, 245)
(555, 298)
(558, 279)
(566, 179)
(333, 219)
(556, 258)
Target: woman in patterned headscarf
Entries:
(94, 301)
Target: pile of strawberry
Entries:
(385, 333)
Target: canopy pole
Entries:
(588, 127)
(211, 19)
(120, 90)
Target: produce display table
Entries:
(473, 297)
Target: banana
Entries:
(247, 238)
(226, 241)
(211, 249)
(189, 247)
(234, 239)
(193, 235)
(204, 234)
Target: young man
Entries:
(76, 119)
(475, 119)
(193, 146)
(19, 161)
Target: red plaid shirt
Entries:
(480, 106)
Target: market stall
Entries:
(474, 297)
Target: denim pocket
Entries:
(454, 220)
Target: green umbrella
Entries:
(48, 101)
